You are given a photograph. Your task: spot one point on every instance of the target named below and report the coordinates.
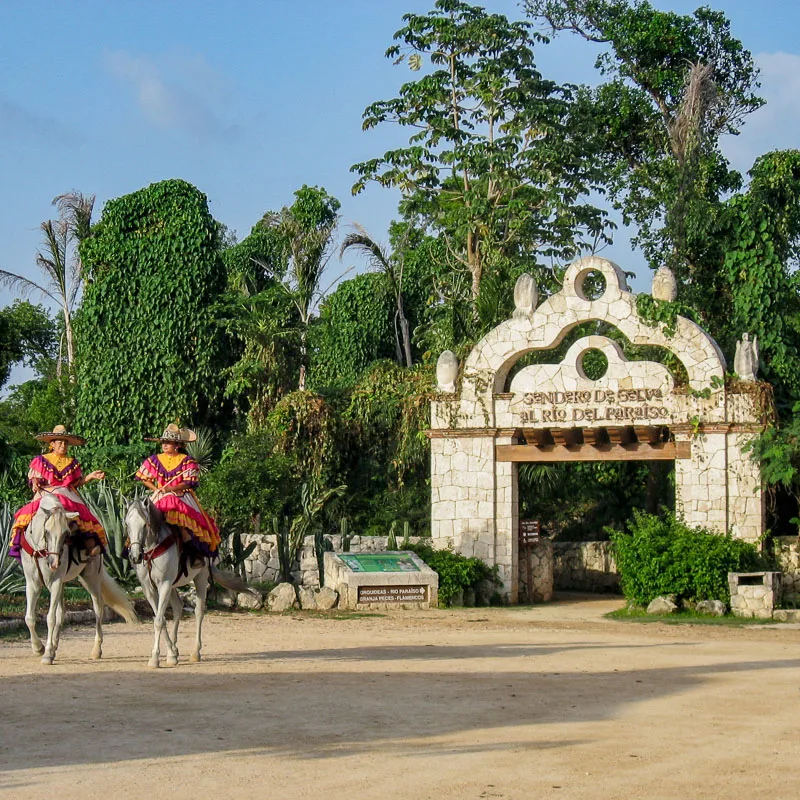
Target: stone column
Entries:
(747, 509)
(700, 482)
(463, 495)
(506, 555)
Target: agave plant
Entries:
(202, 448)
(12, 581)
(108, 505)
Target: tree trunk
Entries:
(404, 331)
(70, 344)
(474, 262)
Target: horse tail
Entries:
(114, 596)
(230, 581)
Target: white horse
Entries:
(155, 551)
(49, 560)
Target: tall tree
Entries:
(491, 164)
(59, 262)
(27, 335)
(308, 227)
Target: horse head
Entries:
(143, 522)
(49, 530)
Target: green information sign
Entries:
(379, 562)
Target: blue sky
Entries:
(249, 100)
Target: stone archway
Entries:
(555, 412)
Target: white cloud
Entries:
(175, 93)
(775, 125)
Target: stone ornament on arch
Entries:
(487, 367)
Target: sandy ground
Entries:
(546, 702)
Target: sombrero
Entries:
(172, 433)
(60, 432)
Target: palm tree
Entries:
(60, 263)
(308, 227)
(393, 272)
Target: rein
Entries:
(36, 555)
(154, 552)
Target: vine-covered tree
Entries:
(491, 163)
(150, 347)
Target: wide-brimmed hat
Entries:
(60, 433)
(172, 433)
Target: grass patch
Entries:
(13, 605)
(685, 618)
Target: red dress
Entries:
(184, 510)
(59, 476)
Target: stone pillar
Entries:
(701, 482)
(747, 509)
(542, 560)
(506, 555)
(463, 495)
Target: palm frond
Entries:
(23, 285)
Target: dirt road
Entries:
(545, 702)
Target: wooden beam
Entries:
(538, 436)
(648, 433)
(567, 437)
(595, 436)
(638, 451)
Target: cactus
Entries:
(406, 535)
(391, 542)
(344, 530)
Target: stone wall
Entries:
(263, 565)
(540, 555)
(584, 567)
(787, 553)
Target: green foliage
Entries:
(109, 506)
(12, 579)
(27, 336)
(354, 329)
(662, 556)
(258, 261)
(491, 161)
(456, 572)
(149, 346)
(266, 326)
(250, 483)
(14, 482)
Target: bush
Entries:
(663, 556)
(456, 572)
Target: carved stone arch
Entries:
(479, 431)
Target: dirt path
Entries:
(548, 702)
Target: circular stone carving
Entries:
(590, 284)
(526, 295)
(447, 372)
(592, 364)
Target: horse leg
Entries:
(164, 590)
(33, 588)
(93, 584)
(201, 585)
(172, 640)
(55, 617)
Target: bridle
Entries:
(159, 548)
(38, 554)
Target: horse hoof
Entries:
(194, 657)
(37, 651)
(96, 655)
(153, 663)
(47, 661)
(172, 661)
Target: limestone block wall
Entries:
(584, 567)
(264, 566)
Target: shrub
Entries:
(663, 556)
(456, 572)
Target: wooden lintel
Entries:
(637, 451)
(539, 436)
